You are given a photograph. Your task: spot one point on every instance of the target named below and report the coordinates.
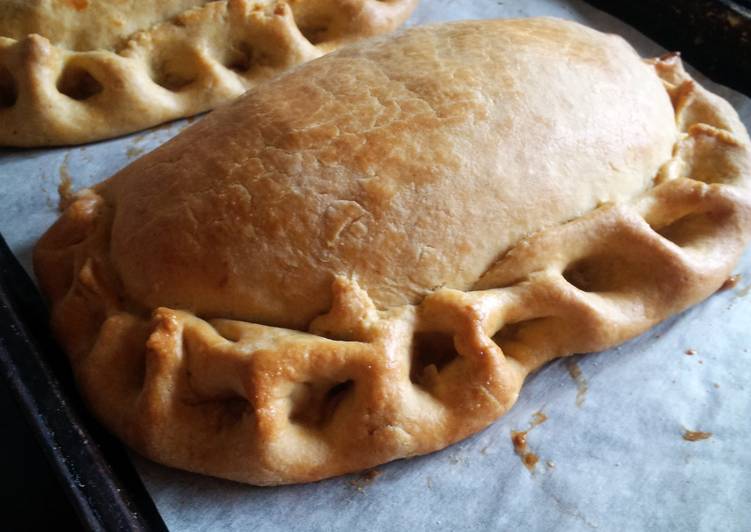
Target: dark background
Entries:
(30, 497)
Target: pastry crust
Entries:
(80, 71)
(284, 293)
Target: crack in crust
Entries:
(364, 386)
(205, 56)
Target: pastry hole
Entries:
(175, 71)
(221, 413)
(315, 403)
(315, 34)
(229, 330)
(583, 275)
(599, 273)
(231, 411)
(179, 21)
(431, 352)
(515, 332)
(239, 58)
(691, 229)
(316, 31)
(78, 83)
(518, 340)
(8, 89)
(511, 332)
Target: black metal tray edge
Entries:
(93, 467)
(712, 35)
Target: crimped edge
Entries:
(205, 56)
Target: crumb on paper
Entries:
(696, 435)
(690, 352)
(365, 479)
(550, 464)
(716, 385)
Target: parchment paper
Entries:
(615, 461)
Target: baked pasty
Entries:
(363, 259)
(74, 71)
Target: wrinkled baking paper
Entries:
(615, 459)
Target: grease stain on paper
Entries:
(581, 383)
(65, 187)
(519, 439)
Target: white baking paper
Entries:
(616, 461)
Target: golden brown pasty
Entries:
(75, 71)
(364, 258)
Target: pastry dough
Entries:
(74, 71)
(364, 258)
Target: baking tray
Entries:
(94, 469)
